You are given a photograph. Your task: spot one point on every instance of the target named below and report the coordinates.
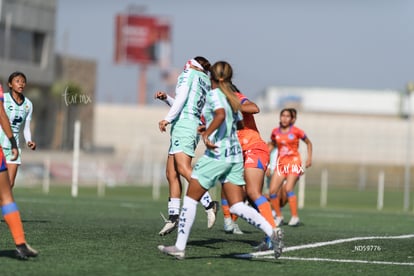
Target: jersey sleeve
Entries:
(299, 133)
(241, 97)
(181, 91)
(215, 100)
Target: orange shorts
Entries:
(257, 157)
(289, 165)
(3, 164)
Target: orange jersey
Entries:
(249, 135)
(288, 143)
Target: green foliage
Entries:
(61, 88)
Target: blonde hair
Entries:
(222, 73)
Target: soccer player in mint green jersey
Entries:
(19, 110)
(222, 161)
(184, 117)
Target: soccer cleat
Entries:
(24, 251)
(265, 245)
(172, 251)
(236, 229)
(294, 221)
(231, 227)
(228, 225)
(277, 242)
(211, 211)
(279, 221)
(170, 225)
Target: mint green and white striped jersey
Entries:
(192, 87)
(18, 115)
(224, 137)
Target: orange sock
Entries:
(234, 217)
(293, 204)
(265, 210)
(275, 204)
(11, 215)
(225, 208)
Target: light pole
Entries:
(407, 174)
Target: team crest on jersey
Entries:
(249, 160)
(291, 136)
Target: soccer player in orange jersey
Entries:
(9, 209)
(256, 158)
(289, 164)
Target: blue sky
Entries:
(364, 44)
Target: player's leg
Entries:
(207, 171)
(235, 198)
(292, 199)
(12, 169)
(174, 199)
(274, 187)
(183, 166)
(12, 217)
(187, 216)
(230, 225)
(254, 178)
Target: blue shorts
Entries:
(208, 171)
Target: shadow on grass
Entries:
(247, 257)
(30, 221)
(8, 254)
(206, 243)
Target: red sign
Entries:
(137, 38)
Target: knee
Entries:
(253, 194)
(184, 170)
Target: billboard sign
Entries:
(140, 39)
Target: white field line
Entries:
(320, 244)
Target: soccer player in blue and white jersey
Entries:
(222, 161)
(19, 110)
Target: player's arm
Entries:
(28, 135)
(249, 107)
(219, 117)
(5, 125)
(164, 97)
(176, 108)
(309, 150)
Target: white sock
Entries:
(206, 200)
(187, 216)
(250, 215)
(174, 206)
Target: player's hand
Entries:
(208, 143)
(15, 154)
(201, 129)
(268, 172)
(31, 145)
(160, 95)
(308, 163)
(163, 125)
